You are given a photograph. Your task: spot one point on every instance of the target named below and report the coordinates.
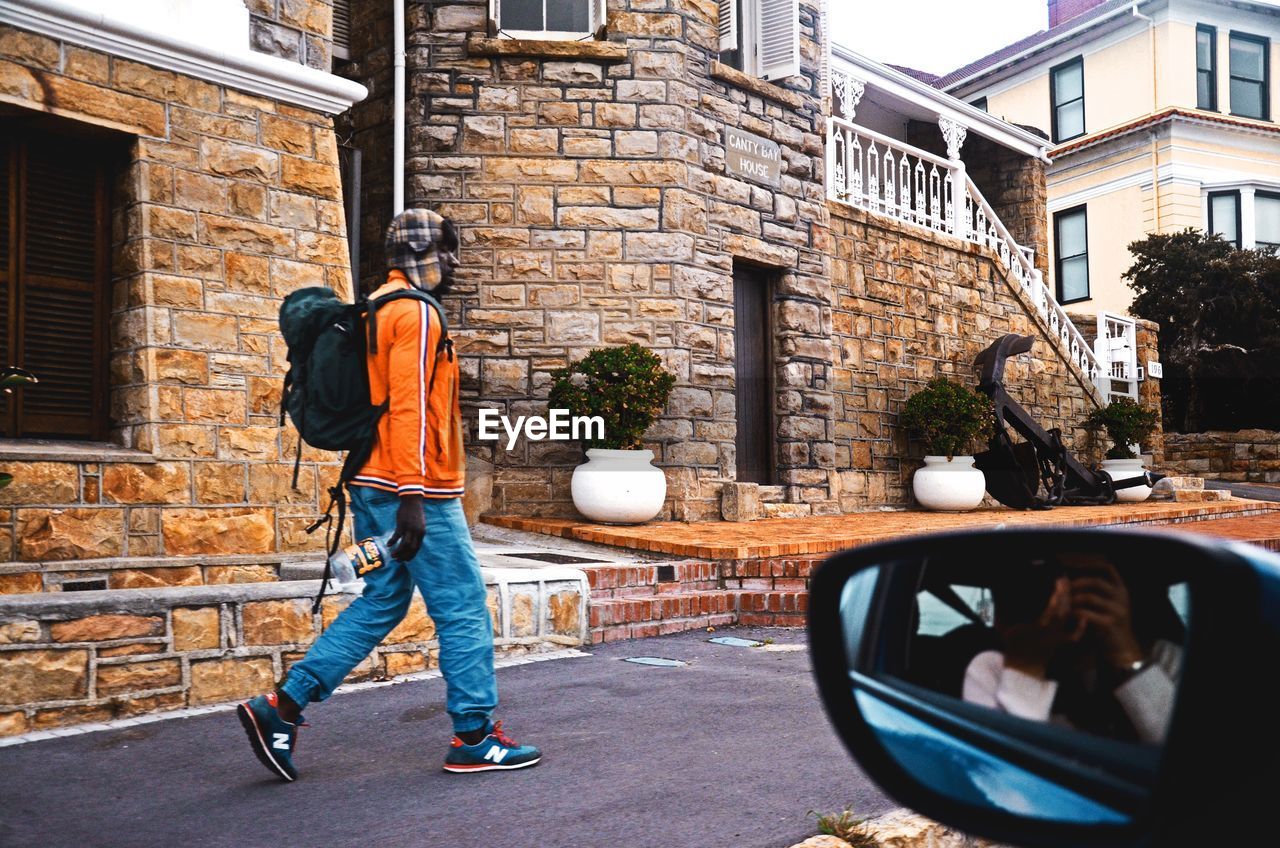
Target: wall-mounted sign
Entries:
(1154, 369)
(752, 157)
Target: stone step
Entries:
(1201, 495)
(773, 494)
(787, 510)
(1164, 489)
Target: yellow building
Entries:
(1162, 114)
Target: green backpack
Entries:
(326, 390)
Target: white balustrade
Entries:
(883, 175)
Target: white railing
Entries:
(871, 171)
(1117, 349)
(880, 174)
(985, 228)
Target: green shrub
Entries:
(1126, 423)
(626, 386)
(948, 416)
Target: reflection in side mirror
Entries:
(1016, 683)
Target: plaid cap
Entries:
(412, 244)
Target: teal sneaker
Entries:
(272, 738)
(495, 752)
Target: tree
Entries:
(1219, 313)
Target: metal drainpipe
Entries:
(1151, 42)
(397, 97)
(1155, 183)
(1155, 104)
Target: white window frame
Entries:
(1247, 196)
(745, 25)
(597, 18)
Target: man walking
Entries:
(412, 483)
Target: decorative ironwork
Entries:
(953, 133)
(848, 90)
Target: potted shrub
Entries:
(628, 388)
(947, 417)
(1127, 424)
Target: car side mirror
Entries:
(1057, 687)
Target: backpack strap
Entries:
(371, 316)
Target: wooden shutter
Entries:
(342, 29)
(779, 38)
(57, 287)
(728, 25)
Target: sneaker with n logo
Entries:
(272, 738)
(495, 752)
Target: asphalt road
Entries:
(731, 750)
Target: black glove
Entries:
(411, 526)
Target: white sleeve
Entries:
(1147, 697)
(988, 683)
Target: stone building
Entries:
(591, 173)
(803, 235)
(159, 197)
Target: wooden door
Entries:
(753, 366)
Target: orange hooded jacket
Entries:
(418, 447)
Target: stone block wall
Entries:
(1245, 456)
(589, 181)
(94, 656)
(223, 203)
(298, 30)
(909, 304)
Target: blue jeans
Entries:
(447, 573)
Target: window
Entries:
(1249, 76)
(761, 37)
(1266, 220)
(1071, 254)
(980, 103)
(54, 296)
(1066, 92)
(1206, 67)
(549, 19)
(1224, 215)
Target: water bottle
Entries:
(352, 563)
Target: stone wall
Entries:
(224, 202)
(93, 656)
(1245, 456)
(589, 180)
(909, 304)
(298, 30)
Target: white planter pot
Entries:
(1123, 469)
(618, 486)
(949, 485)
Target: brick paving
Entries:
(1261, 530)
(781, 537)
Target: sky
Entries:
(933, 35)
